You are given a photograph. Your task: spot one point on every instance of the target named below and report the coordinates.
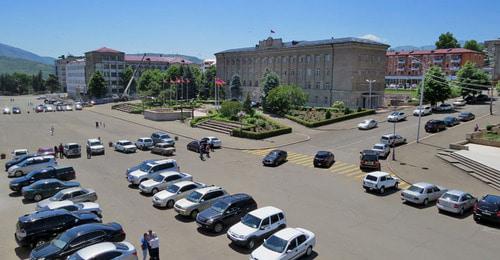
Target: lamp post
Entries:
(421, 98)
(370, 92)
(394, 133)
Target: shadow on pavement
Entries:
(210, 233)
(433, 145)
(242, 249)
(15, 194)
(147, 195)
(183, 219)
(22, 252)
(420, 206)
(26, 201)
(488, 224)
(458, 216)
(133, 186)
(387, 192)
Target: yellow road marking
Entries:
(343, 168)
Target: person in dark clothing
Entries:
(89, 153)
(212, 147)
(96, 124)
(56, 151)
(207, 149)
(144, 246)
(61, 151)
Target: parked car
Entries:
(125, 146)
(151, 170)
(76, 194)
(194, 146)
(6, 111)
(68, 108)
(162, 181)
(106, 250)
(16, 110)
(466, 116)
(482, 98)
(396, 116)
(21, 158)
(451, 121)
(82, 207)
(275, 158)
(18, 153)
(216, 142)
(444, 107)
(434, 125)
(31, 164)
(46, 151)
(422, 193)
(174, 192)
(60, 108)
(324, 159)
(198, 200)
(46, 188)
(392, 139)
(78, 106)
(459, 102)
(225, 212)
(383, 150)
(367, 124)
(144, 143)
(455, 201)
(424, 110)
(163, 149)
(49, 108)
(37, 228)
(380, 182)
(95, 146)
(487, 208)
(257, 225)
(53, 172)
(136, 167)
(161, 137)
(77, 238)
(72, 150)
(39, 108)
(369, 160)
(289, 243)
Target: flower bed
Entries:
(311, 117)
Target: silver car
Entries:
(367, 124)
(382, 149)
(392, 139)
(82, 207)
(175, 192)
(199, 200)
(422, 193)
(456, 201)
(161, 181)
(77, 194)
(120, 250)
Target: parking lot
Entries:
(348, 223)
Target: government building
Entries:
(327, 70)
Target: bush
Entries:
(338, 106)
(261, 122)
(347, 111)
(230, 109)
(489, 127)
(261, 135)
(330, 121)
(328, 114)
(251, 120)
(359, 109)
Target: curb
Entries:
(395, 173)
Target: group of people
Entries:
(150, 243)
(100, 124)
(59, 150)
(205, 148)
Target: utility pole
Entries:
(394, 133)
(491, 99)
(370, 95)
(421, 99)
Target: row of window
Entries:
(282, 59)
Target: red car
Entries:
(39, 109)
(46, 151)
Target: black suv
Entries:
(79, 237)
(324, 159)
(18, 160)
(57, 172)
(433, 126)
(487, 208)
(36, 228)
(369, 160)
(226, 212)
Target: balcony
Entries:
(454, 68)
(415, 61)
(401, 61)
(456, 59)
(437, 60)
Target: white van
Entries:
(31, 164)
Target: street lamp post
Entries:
(394, 134)
(421, 98)
(370, 92)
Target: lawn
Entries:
(491, 136)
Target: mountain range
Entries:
(421, 48)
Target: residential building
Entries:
(110, 63)
(327, 70)
(406, 68)
(153, 61)
(493, 49)
(207, 63)
(60, 65)
(75, 78)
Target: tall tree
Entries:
(52, 83)
(97, 85)
(436, 87)
(270, 80)
(447, 41)
(235, 86)
(472, 80)
(283, 98)
(145, 82)
(209, 84)
(473, 45)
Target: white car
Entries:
(68, 108)
(88, 207)
(144, 143)
(18, 153)
(162, 181)
(289, 243)
(78, 106)
(175, 192)
(422, 193)
(6, 110)
(105, 250)
(426, 110)
(151, 169)
(31, 164)
(459, 102)
(95, 146)
(257, 225)
(396, 116)
(392, 139)
(456, 201)
(125, 146)
(445, 107)
(383, 150)
(367, 124)
(216, 142)
(49, 108)
(199, 200)
(380, 181)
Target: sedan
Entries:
(125, 146)
(78, 106)
(383, 150)
(76, 194)
(367, 124)
(46, 188)
(163, 149)
(455, 201)
(289, 243)
(16, 110)
(46, 151)
(466, 116)
(84, 207)
(211, 140)
(144, 143)
(444, 108)
(6, 111)
(427, 110)
(119, 250)
(275, 158)
(433, 126)
(49, 108)
(487, 208)
(162, 181)
(396, 116)
(459, 102)
(68, 108)
(194, 146)
(39, 108)
(324, 159)
(451, 121)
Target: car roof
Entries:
(47, 181)
(169, 173)
(265, 211)
(323, 152)
(369, 152)
(378, 174)
(86, 228)
(93, 140)
(153, 163)
(96, 249)
(61, 203)
(123, 141)
(456, 192)
(184, 183)
(492, 196)
(276, 150)
(236, 197)
(143, 138)
(288, 233)
(380, 144)
(423, 184)
(208, 189)
(42, 214)
(72, 143)
(70, 190)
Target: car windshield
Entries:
(378, 147)
(416, 189)
(58, 196)
(275, 244)
(220, 206)
(251, 221)
(61, 241)
(72, 146)
(448, 196)
(164, 136)
(394, 113)
(194, 196)
(158, 178)
(173, 188)
(322, 155)
(273, 154)
(127, 143)
(95, 143)
(369, 157)
(464, 114)
(145, 167)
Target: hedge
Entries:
(332, 120)
(262, 135)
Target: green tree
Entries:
(447, 41)
(230, 109)
(150, 82)
(270, 80)
(53, 84)
(235, 86)
(247, 105)
(472, 80)
(97, 85)
(338, 106)
(125, 78)
(473, 45)
(497, 87)
(209, 82)
(283, 98)
(436, 87)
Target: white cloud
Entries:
(373, 37)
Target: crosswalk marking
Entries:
(353, 172)
(342, 168)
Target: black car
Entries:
(56, 172)
(194, 146)
(433, 126)
(39, 227)
(482, 98)
(451, 121)
(19, 160)
(59, 108)
(275, 158)
(324, 159)
(487, 208)
(16, 110)
(466, 116)
(225, 212)
(77, 238)
(369, 160)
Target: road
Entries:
(349, 223)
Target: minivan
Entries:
(31, 164)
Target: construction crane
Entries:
(125, 94)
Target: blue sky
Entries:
(203, 27)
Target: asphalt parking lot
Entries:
(349, 223)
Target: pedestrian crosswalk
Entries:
(339, 168)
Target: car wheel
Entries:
(39, 243)
(396, 185)
(37, 197)
(154, 191)
(251, 243)
(194, 213)
(170, 204)
(18, 173)
(309, 251)
(218, 227)
(426, 202)
(382, 190)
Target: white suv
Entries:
(199, 200)
(125, 146)
(95, 146)
(151, 169)
(426, 110)
(175, 192)
(257, 225)
(380, 181)
(161, 181)
(144, 143)
(31, 164)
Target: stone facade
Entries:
(327, 70)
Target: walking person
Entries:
(96, 124)
(51, 130)
(200, 150)
(154, 244)
(61, 151)
(56, 151)
(212, 147)
(207, 150)
(89, 153)
(144, 246)
(476, 128)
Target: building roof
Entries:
(299, 44)
(428, 52)
(156, 59)
(106, 50)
